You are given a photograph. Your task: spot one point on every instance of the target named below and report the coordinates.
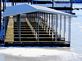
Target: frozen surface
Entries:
(76, 30)
(38, 54)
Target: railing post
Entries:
(44, 21)
(64, 26)
(49, 23)
(60, 25)
(34, 19)
(52, 27)
(69, 29)
(56, 27)
(38, 24)
(19, 26)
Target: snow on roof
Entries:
(27, 8)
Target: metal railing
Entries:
(33, 30)
(54, 24)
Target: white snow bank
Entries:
(39, 52)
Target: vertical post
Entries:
(0, 15)
(52, 3)
(60, 25)
(4, 25)
(56, 27)
(43, 19)
(31, 1)
(71, 5)
(4, 5)
(49, 23)
(64, 26)
(38, 25)
(35, 25)
(13, 3)
(19, 28)
(44, 22)
(69, 30)
(52, 26)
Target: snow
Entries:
(42, 53)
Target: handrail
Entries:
(32, 29)
(47, 25)
(42, 23)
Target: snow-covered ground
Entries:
(38, 54)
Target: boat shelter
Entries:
(49, 26)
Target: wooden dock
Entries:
(10, 31)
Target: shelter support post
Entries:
(19, 26)
(60, 25)
(64, 26)
(49, 23)
(69, 29)
(52, 26)
(56, 26)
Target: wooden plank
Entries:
(10, 31)
(44, 41)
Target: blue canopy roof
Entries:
(27, 8)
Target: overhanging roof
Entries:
(26, 8)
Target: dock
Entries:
(37, 26)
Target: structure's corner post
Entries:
(69, 30)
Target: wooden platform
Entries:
(10, 31)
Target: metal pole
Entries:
(13, 3)
(19, 28)
(49, 23)
(71, 2)
(52, 26)
(3, 27)
(44, 22)
(64, 26)
(4, 5)
(52, 3)
(60, 25)
(0, 15)
(32, 2)
(56, 26)
(69, 29)
(38, 25)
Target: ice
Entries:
(42, 54)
